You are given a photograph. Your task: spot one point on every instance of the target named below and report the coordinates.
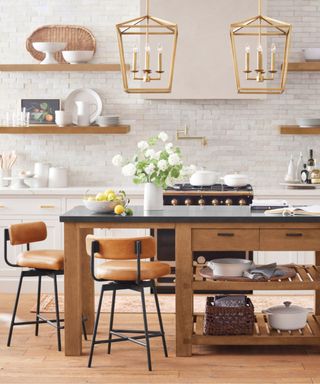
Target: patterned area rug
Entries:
(132, 303)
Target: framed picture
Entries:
(41, 110)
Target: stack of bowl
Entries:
(107, 120)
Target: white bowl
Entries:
(311, 54)
(77, 57)
(100, 206)
(49, 48)
(305, 122)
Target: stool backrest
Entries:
(122, 249)
(27, 233)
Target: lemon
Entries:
(119, 209)
(101, 197)
(108, 191)
(111, 196)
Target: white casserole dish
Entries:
(229, 267)
(287, 317)
(236, 180)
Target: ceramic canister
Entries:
(58, 177)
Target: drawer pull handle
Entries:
(46, 206)
(294, 234)
(226, 234)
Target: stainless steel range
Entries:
(186, 194)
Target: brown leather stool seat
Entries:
(125, 270)
(42, 259)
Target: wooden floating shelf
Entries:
(60, 67)
(262, 334)
(296, 130)
(307, 278)
(67, 130)
(309, 66)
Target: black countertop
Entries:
(183, 214)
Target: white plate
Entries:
(300, 185)
(83, 94)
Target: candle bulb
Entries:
(160, 58)
(134, 59)
(247, 59)
(147, 58)
(273, 57)
(259, 58)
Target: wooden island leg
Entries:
(87, 285)
(184, 293)
(317, 293)
(72, 290)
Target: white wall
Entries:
(242, 134)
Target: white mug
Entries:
(62, 118)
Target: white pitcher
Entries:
(84, 111)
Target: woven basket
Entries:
(77, 38)
(228, 320)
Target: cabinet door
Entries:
(7, 272)
(276, 257)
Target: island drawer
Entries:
(225, 239)
(290, 239)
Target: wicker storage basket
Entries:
(77, 38)
(233, 315)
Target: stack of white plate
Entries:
(105, 121)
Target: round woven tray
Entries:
(207, 273)
(77, 38)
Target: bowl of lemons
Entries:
(108, 202)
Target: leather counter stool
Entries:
(125, 270)
(35, 263)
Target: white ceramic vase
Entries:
(153, 197)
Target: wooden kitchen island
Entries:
(197, 229)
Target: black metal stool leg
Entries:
(111, 318)
(160, 318)
(146, 328)
(15, 310)
(84, 329)
(38, 306)
(56, 299)
(95, 328)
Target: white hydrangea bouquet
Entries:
(157, 164)
(153, 164)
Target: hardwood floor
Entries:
(36, 359)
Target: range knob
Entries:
(174, 202)
(242, 202)
(188, 202)
(201, 202)
(228, 202)
(215, 202)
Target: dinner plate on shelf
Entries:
(83, 94)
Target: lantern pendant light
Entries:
(151, 30)
(268, 75)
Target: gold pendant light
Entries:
(152, 32)
(268, 75)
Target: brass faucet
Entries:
(183, 134)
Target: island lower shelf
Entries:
(307, 278)
(262, 335)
